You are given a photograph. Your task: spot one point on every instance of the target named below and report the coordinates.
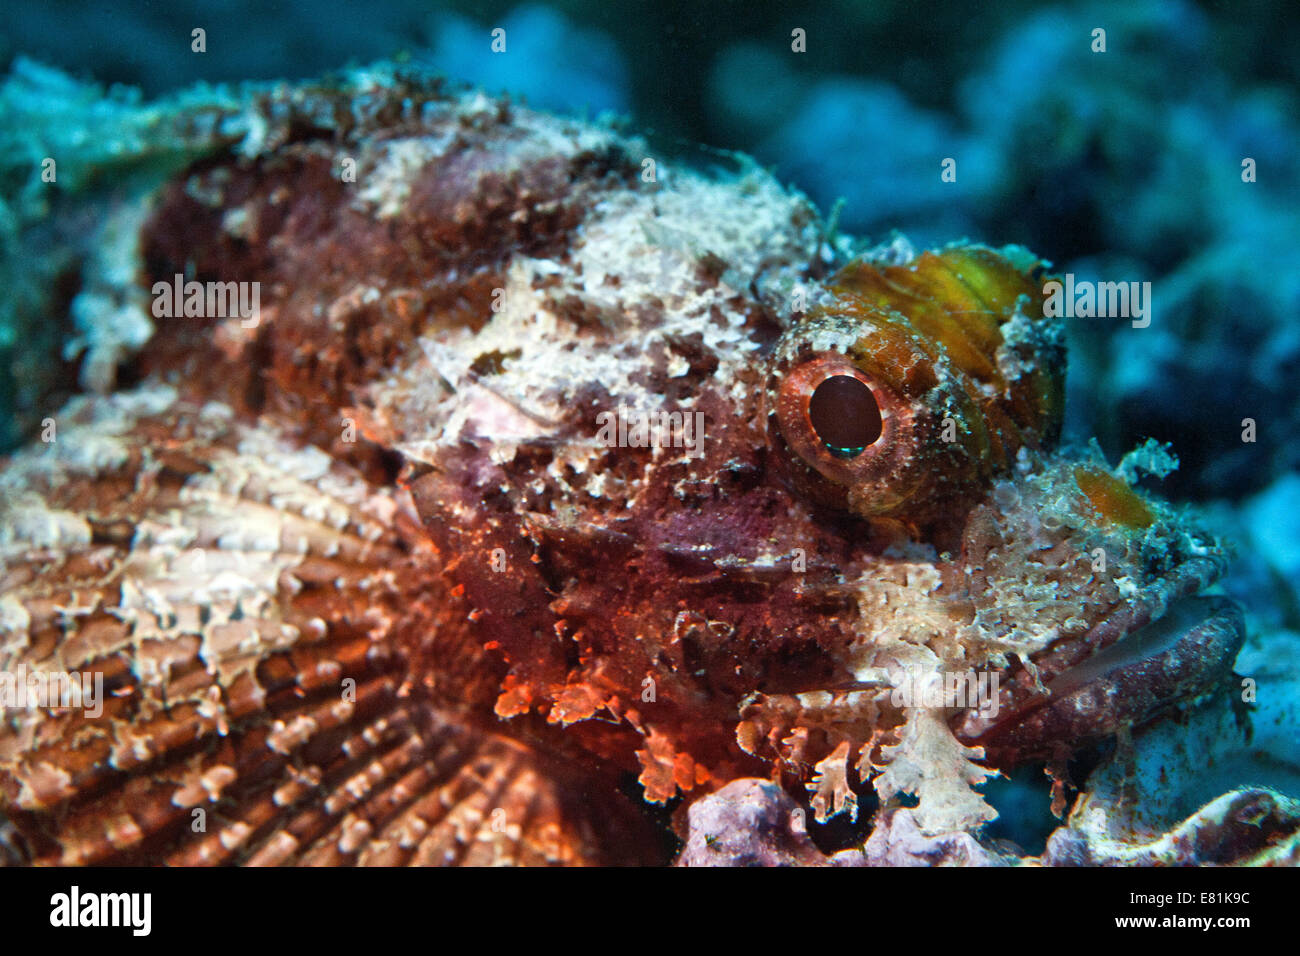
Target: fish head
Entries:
(839, 544)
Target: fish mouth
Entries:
(1129, 668)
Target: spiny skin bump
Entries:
(366, 586)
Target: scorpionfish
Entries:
(553, 485)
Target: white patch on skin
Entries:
(14, 623)
(634, 247)
(1127, 589)
(88, 443)
(386, 187)
(1019, 330)
(27, 523)
(596, 485)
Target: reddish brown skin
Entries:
(647, 574)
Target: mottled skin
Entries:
(398, 472)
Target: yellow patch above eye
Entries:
(1112, 498)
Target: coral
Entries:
(1254, 827)
(748, 823)
(753, 823)
(898, 841)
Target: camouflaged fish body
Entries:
(367, 583)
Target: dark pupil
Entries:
(845, 415)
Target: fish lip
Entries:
(1173, 644)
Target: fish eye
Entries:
(844, 437)
(845, 415)
(902, 392)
